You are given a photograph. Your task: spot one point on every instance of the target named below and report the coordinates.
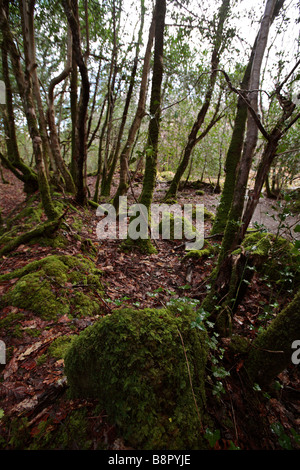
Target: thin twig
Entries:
(190, 379)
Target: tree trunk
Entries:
(271, 351)
(25, 90)
(140, 113)
(106, 190)
(230, 239)
(27, 18)
(54, 138)
(235, 149)
(155, 107)
(81, 155)
(27, 175)
(193, 136)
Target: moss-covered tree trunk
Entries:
(140, 113)
(155, 108)
(25, 90)
(81, 155)
(225, 287)
(27, 20)
(271, 352)
(16, 165)
(236, 144)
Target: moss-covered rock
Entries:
(55, 286)
(176, 227)
(134, 363)
(206, 251)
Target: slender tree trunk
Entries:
(27, 15)
(25, 90)
(230, 239)
(54, 138)
(193, 136)
(155, 108)
(231, 269)
(235, 149)
(81, 156)
(27, 175)
(140, 113)
(106, 189)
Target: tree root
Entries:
(43, 230)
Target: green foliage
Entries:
(134, 363)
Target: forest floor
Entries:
(32, 383)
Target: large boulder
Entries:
(146, 368)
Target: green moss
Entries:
(279, 257)
(178, 225)
(45, 287)
(134, 363)
(59, 346)
(239, 345)
(144, 246)
(207, 214)
(207, 251)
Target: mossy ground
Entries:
(134, 363)
(56, 286)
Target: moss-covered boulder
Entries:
(55, 286)
(173, 227)
(134, 363)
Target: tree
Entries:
(24, 83)
(271, 351)
(230, 268)
(139, 115)
(81, 121)
(194, 138)
(235, 149)
(155, 108)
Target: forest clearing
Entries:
(138, 343)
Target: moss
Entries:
(239, 345)
(207, 214)
(59, 346)
(44, 287)
(277, 255)
(207, 251)
(133, 362)
(178, 225)
(72, 435)
(272, 349)
(144, 246)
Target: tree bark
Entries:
(155, 107)
(16, 165)
(81, 155)
(230, 239)
(271, 351)
(25, 90)
(140, 114)
(235, 149)
(193, 136)
(54, 138)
